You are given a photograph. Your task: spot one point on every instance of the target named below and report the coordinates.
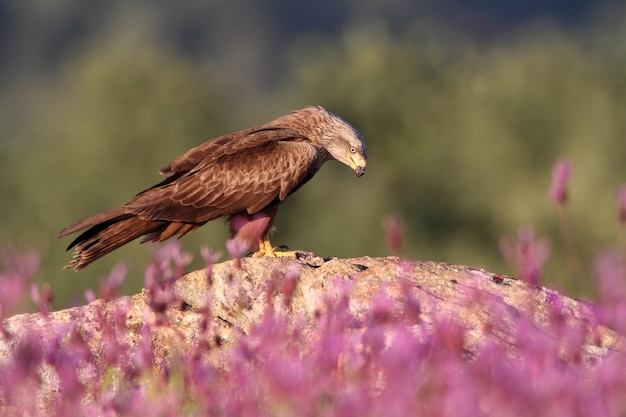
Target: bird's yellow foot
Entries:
(282, 252)
(266, 249)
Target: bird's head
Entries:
(342, 141)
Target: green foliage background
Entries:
(461, 133)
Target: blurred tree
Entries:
(115, 118)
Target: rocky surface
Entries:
(235, 294)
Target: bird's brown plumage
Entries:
(243, 176)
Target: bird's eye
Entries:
(352, 149)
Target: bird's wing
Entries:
(227, 144)
(258, 169)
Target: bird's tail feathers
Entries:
(107, 236)
(112, 215)
(114, 228)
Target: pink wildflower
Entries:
(394, 236)
(621, 203)
(526, 255)
(560, 176)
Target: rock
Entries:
(235, 295)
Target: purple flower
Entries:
(621, 203)
(90, 296)
(247, 233)
(394, 236)
(210, 258)
(610, 275)
(560, 176)
(111, 284)
(289, 284)
(143, 357)
(42, 297)
(237, 247)
(526, 255)
(168, 255)
(18, 268)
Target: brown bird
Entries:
(243, 176)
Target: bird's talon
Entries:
(287, 254)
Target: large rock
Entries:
(235, 295)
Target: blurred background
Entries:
(465, 107)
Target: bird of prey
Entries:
(243, 176)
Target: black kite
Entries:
(243, 176)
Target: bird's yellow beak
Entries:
(359, 164)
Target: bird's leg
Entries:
(265, 248)
(249, 229)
